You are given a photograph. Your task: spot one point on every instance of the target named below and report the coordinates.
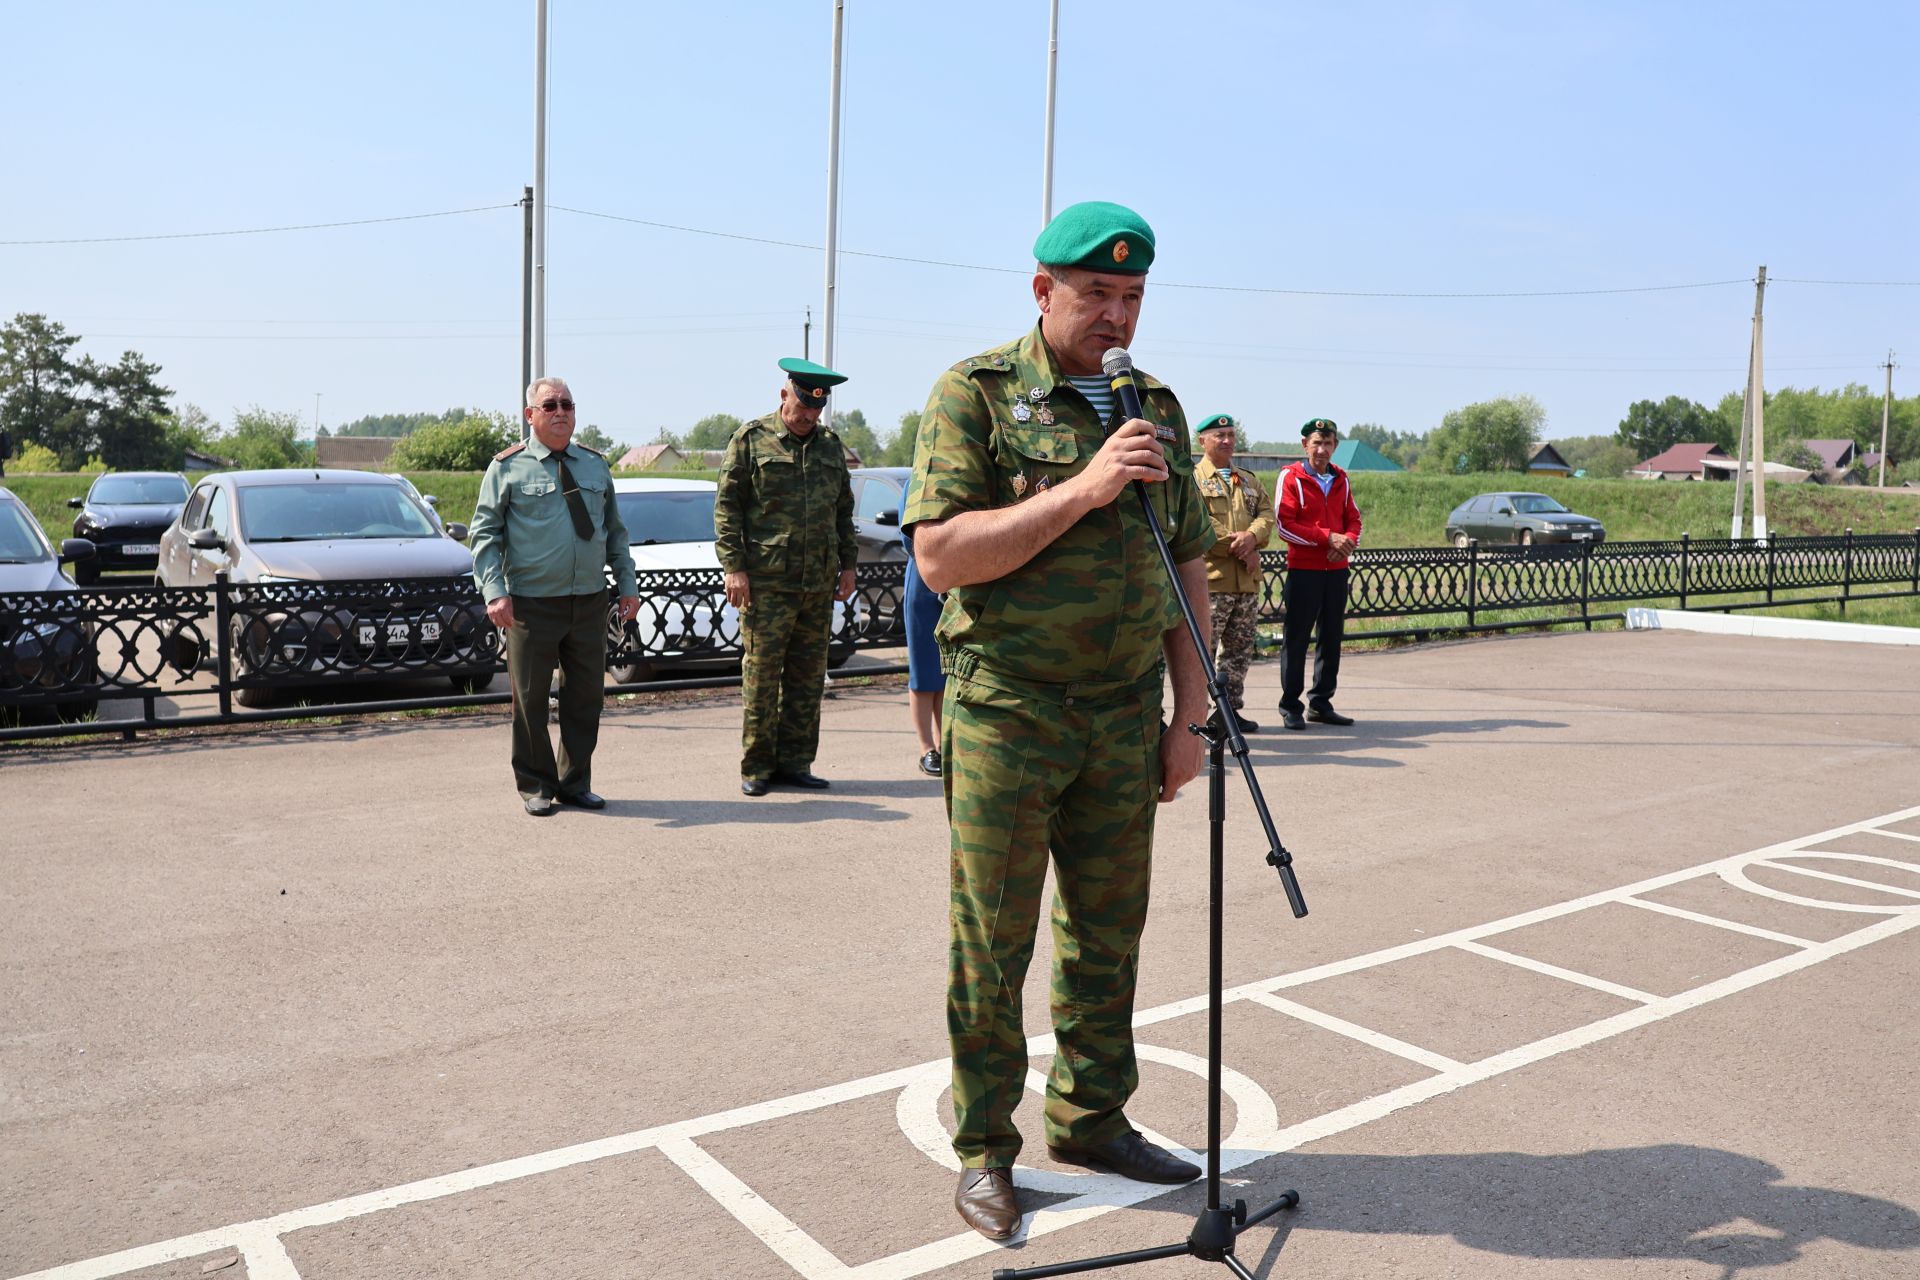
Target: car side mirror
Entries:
(887, 518)
(77, 549)
(1503, 511)
(205, 540)
(430, 500)
(457, 531)
(76, 503)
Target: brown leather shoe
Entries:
(986, 1202)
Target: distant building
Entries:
(198, 461)
(650, 457)
(1358, 455)
(1268, 461)
(1836, 460)
(355, 453)
(1682, 462)
(1545, 460)
(1723, 468)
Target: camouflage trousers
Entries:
(1075, 769)
(783, 672)
(1233, 635)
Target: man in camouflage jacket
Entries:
(783, 529)
(1059, 627)
(1237, 505)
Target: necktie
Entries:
(576, 505)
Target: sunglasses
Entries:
(551, 406)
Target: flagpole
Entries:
(1053, 76)
(540, 189)
(833, 197)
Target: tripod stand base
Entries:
(1211, 1241)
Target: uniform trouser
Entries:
(1316, 601)
(1234, 615)
(1074, 769)
(570, 632)
(783, 672)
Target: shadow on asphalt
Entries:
(1322, 744)
(675, 814)
(1672, 1202)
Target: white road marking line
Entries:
(1354, 1031)
(775, 1229)
(959, 1248)
(1840, 879)
(266, 1257)
(1894, 835)
(1555, 971)
(1697, 917)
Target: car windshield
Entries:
(19, 540)
(311, 512)
(130, 491)
(670, 515)
(1536, 504)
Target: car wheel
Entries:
(633, 673)
(1526, 537)
(839, 653)
(254, 697)
(1461, 540)
(478, 682)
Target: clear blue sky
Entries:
(1387, 148)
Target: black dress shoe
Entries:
(754, 786)
(1130, 1157)
(539, 806)
(1247, 725)
(581, 800)
(801, 778)
(1291, 719)
(930, 763)
(1325, 714)
(986, 1202)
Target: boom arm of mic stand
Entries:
(1277, 855)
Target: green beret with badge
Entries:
(1218, 422)
(1314, 426)
(1098, 236)
(811, 382)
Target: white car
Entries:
(670, 527)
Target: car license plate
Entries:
(398, 633)
(1583, 537)
(142, 548)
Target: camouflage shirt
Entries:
(1236, 503)
(784, 512)
(1095, 603)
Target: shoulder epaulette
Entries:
(509, 451)
(990, 362)
(587, 448)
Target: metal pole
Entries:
(833, 196)
(806, 336)
(1757, 395)
(316, 415)
(1746, 437)
(526, 304)
(1886, 403)
(1046, 155)
(539, 316)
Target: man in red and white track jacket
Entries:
(1318, 521)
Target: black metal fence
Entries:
(115, 659)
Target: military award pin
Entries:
(1037, 394)
(1019, 484)
(1045, 415)
(1046, 482)
(1020, 411)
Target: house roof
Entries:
(1546, 458)
(368, 453)
(1834, 454)
(643, 456)
(1682, 459)
(1358, 455)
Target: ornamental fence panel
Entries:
(114, 659)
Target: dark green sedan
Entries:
(1520, 518)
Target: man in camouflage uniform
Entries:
(1059, 627)
(1244, 524)
(783, 528)
(546, 530)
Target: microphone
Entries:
(1118, 366)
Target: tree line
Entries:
(71, 414)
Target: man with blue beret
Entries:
(783, 529)
(1059, 629)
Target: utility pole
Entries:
(833, 197)
(1046, 157)
(1757, 402)
(1886, 406)
(806, 336)
(526, 301)
(316, 417)
(539, 320)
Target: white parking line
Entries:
(1852, 881)
(1354, 1031)
(1555, 971)
(1681, 913)
(1257, 1135)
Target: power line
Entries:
(262, 231)
(1864, 284)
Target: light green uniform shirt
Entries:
(523, 540)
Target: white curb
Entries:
(1749, 624)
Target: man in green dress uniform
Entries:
(1059, 628)
(783, 529)
(545, 531)
(1243, 522)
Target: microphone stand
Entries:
(1217, 1226)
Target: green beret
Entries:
(1220, 421)
(811, 381)
(1098, 236)
(1313, 425)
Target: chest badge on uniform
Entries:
(1037, 394)
(1020, 411)
(1046, 482)
(1045, 414)
(1164, 433)
(1019, 484)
